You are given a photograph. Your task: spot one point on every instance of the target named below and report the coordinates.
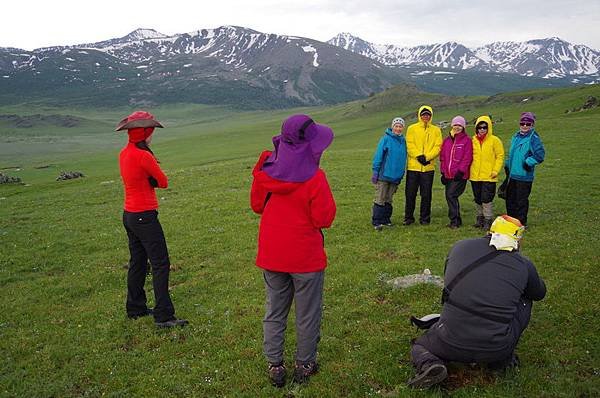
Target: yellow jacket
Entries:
(488, 156)
(423, 139)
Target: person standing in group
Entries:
(488, 158)
(293, 197)
(526, 151)
(141, 174)
(455, 163)
(389, 165)
(423, 144)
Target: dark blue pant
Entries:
(147, 242)
(422, 182)
(429, 348)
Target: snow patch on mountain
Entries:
(549, 58)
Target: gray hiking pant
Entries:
(281, 289)
(384, 192)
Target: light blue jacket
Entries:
(524, 149)
(390, 157)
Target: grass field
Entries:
(63, 330)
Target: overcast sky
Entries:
(32, 24)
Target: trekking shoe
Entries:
(408, 222)
(487, 223)
(171, 323)
(277, 374)
(378, 227)
(429, 376)
(149, 311)
(302, 372)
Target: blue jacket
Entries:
(390, 157)
(524, 150)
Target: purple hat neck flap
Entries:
(298, 149)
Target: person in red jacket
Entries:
(293, 197)
(141, 174)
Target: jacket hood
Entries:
(390, 132)
(430, 109)
(488, 120)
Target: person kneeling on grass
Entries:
(141, 174)
(389, 165)
(293, 197)
(487, 299)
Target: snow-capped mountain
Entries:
(242, 67)
(229, 64)
(546, 58)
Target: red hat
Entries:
(138, 119)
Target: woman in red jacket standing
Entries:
(141, 174)
(294, 199)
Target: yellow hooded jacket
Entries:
(488, 156)
(423, 139)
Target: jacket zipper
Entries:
(451, 157)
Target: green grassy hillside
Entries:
(63, 330)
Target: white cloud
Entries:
(31, 24)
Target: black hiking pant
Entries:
(429, 348)
(517, 199)
(147, 242)
(453, 191)
(483, 191)
(421, 182)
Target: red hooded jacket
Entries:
(293, 213)
(136, 166)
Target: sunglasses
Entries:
(482, 128)
(525, 124)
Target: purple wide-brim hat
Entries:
(298, 149)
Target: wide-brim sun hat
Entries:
(300, 129)
(298, 149)
(138, 119)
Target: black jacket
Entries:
(494, 289)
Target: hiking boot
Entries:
(479, 222)
(302, 372)
(149, 311)
(378, 228)
(487, 223)
(429, 376)
(277, 374)
(171, 323)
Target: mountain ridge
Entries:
(241, 67)
(546, 58)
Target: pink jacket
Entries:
(456, 155)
